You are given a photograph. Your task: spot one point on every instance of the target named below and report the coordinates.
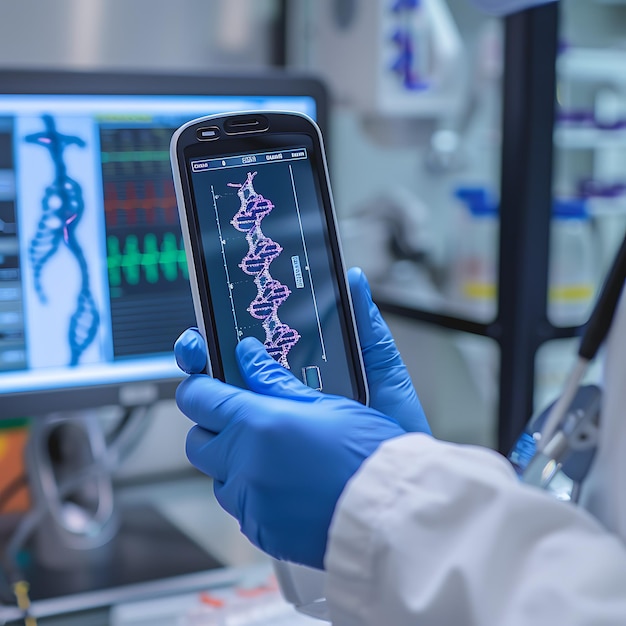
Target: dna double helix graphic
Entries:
(271, 293)
(61, 209)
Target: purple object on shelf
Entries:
(589, 188)
(401, 5)
(576, 116)
(617, 125)
(587, 117)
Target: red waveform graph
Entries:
(134, 202)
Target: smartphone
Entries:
(262, 247)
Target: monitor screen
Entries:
(93, 279)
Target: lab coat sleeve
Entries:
(434, 534)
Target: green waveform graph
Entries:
(133, 156)
(130, 261)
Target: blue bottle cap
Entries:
(478, 200)
(570, 208)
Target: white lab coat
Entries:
(429, 533)
(436, 534)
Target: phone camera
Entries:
(208, 133)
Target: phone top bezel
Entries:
(185, 145)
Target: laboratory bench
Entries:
(189, 548)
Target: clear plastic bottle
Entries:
(571, 278)
(475, 254)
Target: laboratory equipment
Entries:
(573, 264)
(90, 236)
(563, 477)
(566, 426)
(409, 56)
(475, 254)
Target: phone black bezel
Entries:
(284, 132)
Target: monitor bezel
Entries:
(32, 403)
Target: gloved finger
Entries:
(206, 453)
(213, 404)
(226, 495)
(377, 344)
(190, 351)
(264, 375)
(390, 385)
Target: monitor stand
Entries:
(82, 541)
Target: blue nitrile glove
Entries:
(281, 459)
(280, 454)
(390, 387)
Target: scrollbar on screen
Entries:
(270, 274)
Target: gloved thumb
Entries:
(262, 374)
(190, 351)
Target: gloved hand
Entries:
(390, 388)
(282, 453)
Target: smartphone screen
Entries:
(269, 251)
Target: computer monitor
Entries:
(93, 278)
